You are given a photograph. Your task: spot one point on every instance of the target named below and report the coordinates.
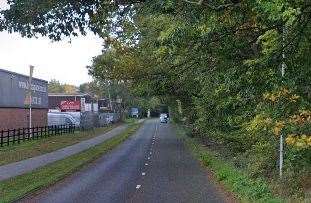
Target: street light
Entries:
(30, 95)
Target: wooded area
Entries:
(219, 62)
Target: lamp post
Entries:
(30, 95)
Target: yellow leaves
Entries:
(283, 93)
(302, 118)
(290, 140)
(258, 123)
(278, 127)
(299, 141)
(294, 98)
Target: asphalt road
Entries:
(152, 166)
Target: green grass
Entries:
(130, 120)
(244, 187)
(16, 188)
(28, 149)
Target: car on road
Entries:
(163, 118)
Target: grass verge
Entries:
(28, 149)
(17, 187)
(244, 187)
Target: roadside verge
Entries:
(37, 147)
(234, 180)
(16, 188)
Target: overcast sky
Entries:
(62, 61)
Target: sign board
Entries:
(14, 91)
(70, 105)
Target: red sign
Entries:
(70, 105)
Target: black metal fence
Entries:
(15, 136)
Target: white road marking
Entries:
(146, 164)
(148, 157)
(150, 153)
(143, 174)
(138, 186)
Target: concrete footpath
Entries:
(25, 166)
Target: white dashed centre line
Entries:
(146, 164)
(148, 157)
(138, 186)
(143, 174)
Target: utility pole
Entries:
(110, 103)
(281, 155)
(30, 95)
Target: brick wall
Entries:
(11, 118)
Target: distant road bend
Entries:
(152, 166)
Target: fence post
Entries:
(14, 131)
(23, 134)
(37, 132)
(1, 138)
(19, 135)
(8, 138)
(32, 132)
(28, 133)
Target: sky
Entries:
(62, 60)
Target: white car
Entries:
(163, 118)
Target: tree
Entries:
(56, 87)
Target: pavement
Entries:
(27, 165)
(151, 166)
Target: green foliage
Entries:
(221, 60)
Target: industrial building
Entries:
(14, 110)
(77, 102)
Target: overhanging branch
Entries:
(210, 6)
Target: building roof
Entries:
(68, 95)
(14, 73)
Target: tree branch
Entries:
(210, 6)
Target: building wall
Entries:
(14, 89)
(13, 118)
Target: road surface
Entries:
(152, 166)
